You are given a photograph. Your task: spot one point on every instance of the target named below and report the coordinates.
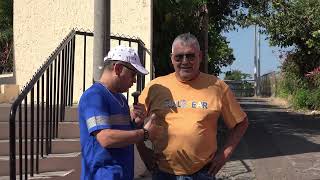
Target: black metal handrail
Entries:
(43, 101)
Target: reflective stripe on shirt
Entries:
(118, 119)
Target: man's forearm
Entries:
(147, 156)
(234, 138)
(111, 138)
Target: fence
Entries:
(268, 84)
(243, 88)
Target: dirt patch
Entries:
(283, 103)
(279, 102)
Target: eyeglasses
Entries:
(181, 57)
(130, 68)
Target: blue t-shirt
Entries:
(100, 109)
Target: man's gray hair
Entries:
(186, 39)
(108, 65)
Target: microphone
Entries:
(135, 95)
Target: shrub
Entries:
(315, 99)
(289, 83)
(302, 98)
(314, 77)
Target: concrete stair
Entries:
(59, 146)
(65, 160)
(57, 175)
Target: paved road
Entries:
(279, 145)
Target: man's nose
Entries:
(185, 59)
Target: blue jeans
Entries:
(202, 174)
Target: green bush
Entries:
(302, 99)
(315, 99)
(316, 80)
(289, 84)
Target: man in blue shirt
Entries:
(106, 133)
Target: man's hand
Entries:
(233, 139)
(155, 131)
(216, 163)
(138, 113)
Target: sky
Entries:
(242, 43)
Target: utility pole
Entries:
(256, 86)
(258, 61)
(101, 44)
(204, 38)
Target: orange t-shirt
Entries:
(189, 112)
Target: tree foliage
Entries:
(236, 75)
(6, 35)
(291, 23)
(6, 21)
(173, 17)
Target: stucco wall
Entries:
(39, 27)
(140, 14)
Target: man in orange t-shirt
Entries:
(188, 104)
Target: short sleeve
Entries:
(94, 111)
(231, 110)
(144, 95)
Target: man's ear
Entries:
(172, 58)
(200, 56)
(117, 68)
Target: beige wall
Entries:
(39, 27)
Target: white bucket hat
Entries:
(128, 55)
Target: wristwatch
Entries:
(145, 134)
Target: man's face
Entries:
(186, 59)
(126, 78)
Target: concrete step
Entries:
(66, 130)
(59, 146)
(4, 130)
(74, 175)
(69, 130)
(71, 114)
(4, 112)
(56, 175)
(51, 163)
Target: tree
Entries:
(6, 35)
(236, 75)
(291, 23)
(173, 17)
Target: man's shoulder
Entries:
(95, 90)
(163, 79)
(214, 80)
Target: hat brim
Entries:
(140, 69)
